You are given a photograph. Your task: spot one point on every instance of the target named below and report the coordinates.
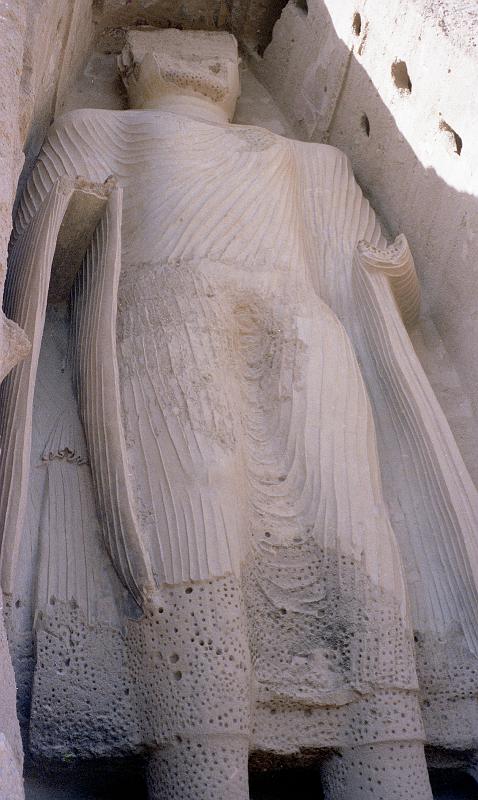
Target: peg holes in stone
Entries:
(401, 78)
(302, 6)
(365, 124)
(357, 24)
(455, 141)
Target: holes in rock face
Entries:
(401, 78)
(302, 6)
(365, 124)
(357, 24)
(454, 139)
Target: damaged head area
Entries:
(155, 64)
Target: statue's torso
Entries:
(203, 194)
(194, 190)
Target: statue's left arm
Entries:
(373, 288)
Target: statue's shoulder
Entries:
(310, 152)
(94, 121)
(85, 119)
(86, 134)
(254, 138)
(325, 153)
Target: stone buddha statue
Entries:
(236, 308)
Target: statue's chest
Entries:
(219, 195)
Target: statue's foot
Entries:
(391, 771)
(200, 768)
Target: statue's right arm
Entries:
(79, 144)
(64, 153)
(69, 207)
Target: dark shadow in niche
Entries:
(97, 779)
(285, 783)
(290, 782)
(274, 14)
(124, 779)
(302, 6)
(451, 784)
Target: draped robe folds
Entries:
(249, 437)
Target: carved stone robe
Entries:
(217, 321)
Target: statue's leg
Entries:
(191, 650)
(205, 768)
(385, 771)
(196, 688)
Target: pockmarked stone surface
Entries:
(197, 552)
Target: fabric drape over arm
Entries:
(431, 498)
